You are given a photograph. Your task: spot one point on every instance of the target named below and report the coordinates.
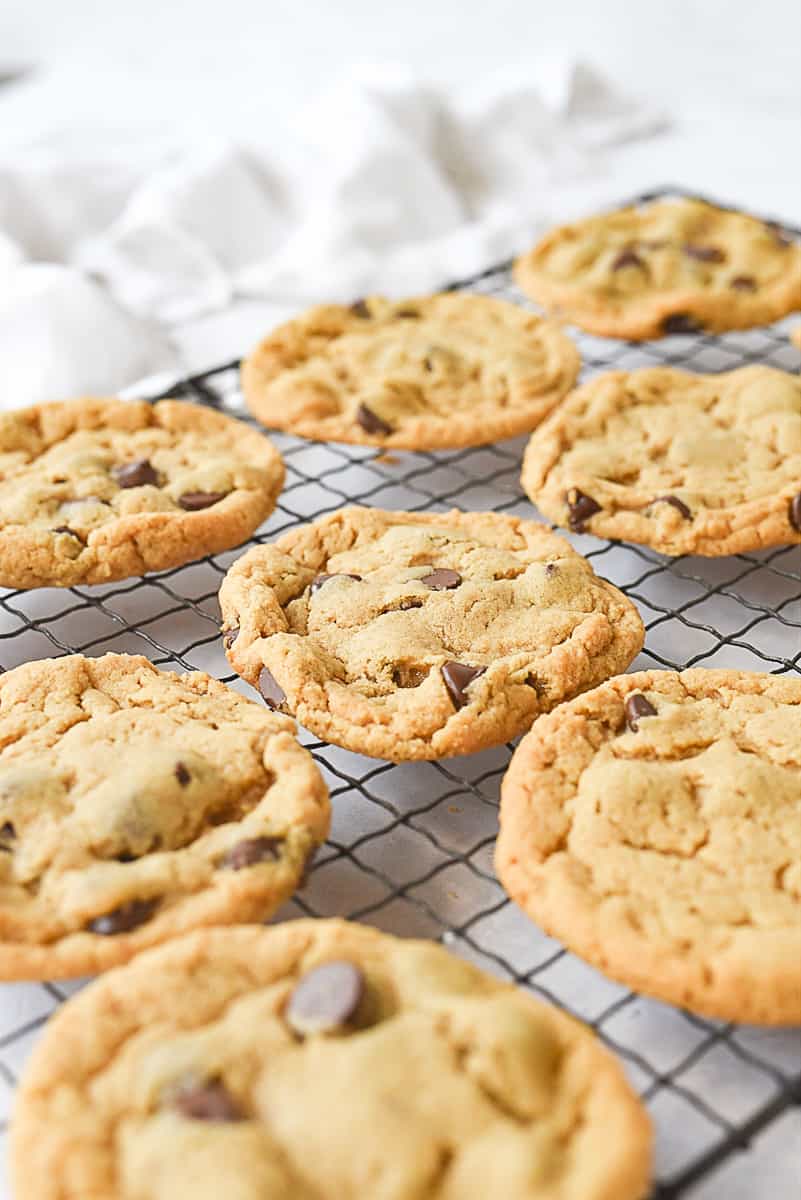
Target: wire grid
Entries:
(411, 844)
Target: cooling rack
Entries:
(411, 845)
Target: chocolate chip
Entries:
(326, 998)
(7, 831)
(359, 308)
(274, 695)
(743, 283)
(209, 1101)
(71, 532)
(409, 677)
(681, 323)
(135, 474)
(407, 312)
(580, 508)
(551, 568)
(794, 512)
(182, 774)
(193, 501)
(678, 504)
(428, 364)
(442, 579)
(122, 919)
(229, 637)
(251, 851)
(627, 258)
(709, 254)
(371, 422)
(637, 707)
(457, 677)
(319, 580)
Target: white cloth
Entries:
(383, 184)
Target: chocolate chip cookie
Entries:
(688, 464)
(674, 266)
(319, 1060)
(97, 490)
(654, 826)
(431, 373)
(410, 635)
(136, 805)
(795, 336)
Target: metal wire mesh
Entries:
(411, 845)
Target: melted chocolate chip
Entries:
(457, 677)
(794, 512)
(743, 283)
(319, 580)
(627, 258)
(677, 504)
(428, 364)
(193, 501)
(552, 568)
(229, 637)
(371, 422)
(7, 831)
(123, 919)
(251, 851)
(209, 1101)
(408, 313)
(326, 998)
(182, 774)
(274, 695)
(442, 579)
(636, 708)
(710, 254)
(580, 507)
(681, 323)
(359, 308)
(135, 474)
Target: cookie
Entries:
(96, 490)
(654, 826)
(136, 805)
(688, 464)
(411, 635)
(795, 336)
(321, 1059)
(430, 373)
(674, 266)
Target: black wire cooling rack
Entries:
(411, 845)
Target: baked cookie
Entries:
(674, 266)
(688, 464)
(795, 336)
(654, 826)
(96, 490)
(137, 804)
(411, 635)
(320, 1060)
(430, 373)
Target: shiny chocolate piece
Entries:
(272, 692)
(125, 918)
(442, 579)
(457, 678)
(371, 422)
(325, 999)
(251, 851)
(580, 508)
(637, 707)
(194, 501)
(138, 473)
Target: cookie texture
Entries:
(795, 336)
(136, 805)
(96, 490)
(410, 635)
(654, 826)
(688, 464)
(434, 372)
(674, 266)
(184, 1074)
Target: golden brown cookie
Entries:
(96, 490)
(319, 1060)
(688, 464)
(411, 635)
(654, 826)
(795, 336)
(136, 805)
(429, 373)
(674, 266)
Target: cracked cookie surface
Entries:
(654, 826)
(422, 1078)
(435, 372)
(408, 635)
(673, 266)
(137, 804)
(688, 464)
(96, 490)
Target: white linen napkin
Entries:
(383, 183)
